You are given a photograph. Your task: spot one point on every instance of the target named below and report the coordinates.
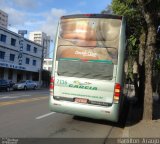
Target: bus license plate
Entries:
(79, 100)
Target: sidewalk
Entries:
(136, 128)
(144, 129)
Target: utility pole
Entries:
(41, 68)
(42, 59)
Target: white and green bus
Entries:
(88, 65)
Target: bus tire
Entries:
(123, 114)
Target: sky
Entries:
(43, 15)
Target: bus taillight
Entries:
(117, 91)
(52, 84)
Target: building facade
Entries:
(47, 64)
(3, 19)
(42, 39)
(20, 58)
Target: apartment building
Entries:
(42, 39)
(47, 64)
(20, 58)
(3, 19)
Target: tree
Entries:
(107, 10)
(141, 17)
(150, 13)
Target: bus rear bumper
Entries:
(110, 113)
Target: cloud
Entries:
(20, 4)
(82, 3)
(51, 21)
(18, 19)
(46, 21)
(15, 17)
(58, 12)
(43, 21)
(26, 4)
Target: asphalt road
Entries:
(25, 114)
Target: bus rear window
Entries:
(92, 70)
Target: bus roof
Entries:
(92, 16)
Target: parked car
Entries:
(28, 84)
(4, 85)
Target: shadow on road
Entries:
(136, 111)
(121, 123)
(156, 109)
(103, 122)
(135, 114)
(131, 115)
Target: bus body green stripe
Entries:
(77, 59)
(101, 61)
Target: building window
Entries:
(3, 38)
(27, 60)
(2, 54)
(13, 42)
(35, 50)
(28, 47)
(34, 62)
(12, 56)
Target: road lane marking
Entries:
(21, 101)
(5, 97)
(14, 97)
(45, 115)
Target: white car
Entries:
(28, 84)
